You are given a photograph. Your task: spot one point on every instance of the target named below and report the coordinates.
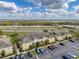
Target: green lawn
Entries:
(15, 29)
(20, 34)
(78, 49)
(77, 58)
(33, 52)
(27, 28)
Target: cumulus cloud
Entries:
(71, 1)
(8, 6)
(53, 9)
(65, 6)
(52, 4)
(55, 4)
(76, 9)
(11, 7)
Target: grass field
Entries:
(20, 34)
(38, 22)
(9, 30)
(27, 28)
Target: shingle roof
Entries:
(33, 36)
(39, 35)
(4, 42)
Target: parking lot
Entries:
(58, 52)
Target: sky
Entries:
(39, 9)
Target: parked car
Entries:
(21, 56)
(41, 50)
(54, 46)
(29, 54)
(16, 57)
(66, 57)
(71, 40)
(50, 47)
(62, 44)
(72, 55)
(37, 51)
(69, 56)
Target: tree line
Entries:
(41, 23)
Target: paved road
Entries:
(72, 26)
(27, 57)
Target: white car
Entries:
(72, 55)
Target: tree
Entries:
(66, 38)
(14, 50)
(75, 33)
(38, 44)
(54, 33)
(45, 30)
(50, 33)
(47, 42)
(1, 32)
(2, 53)
(31, 47)
(42, 43)
(19, 46)
(16, 41)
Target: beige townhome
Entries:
(32, 38)
(36, 37)
(61, 35)
(5, 45)
(41, 36)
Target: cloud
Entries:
(76, 9)
(54, 9)
(11, 7)
(55, 4)
(65, 6)
(52, 4)
(71, 1)
(8, 6)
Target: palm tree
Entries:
(14, 50)
(14, 38)
(16, 41)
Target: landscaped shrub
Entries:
(2, 53)
(47, 42)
